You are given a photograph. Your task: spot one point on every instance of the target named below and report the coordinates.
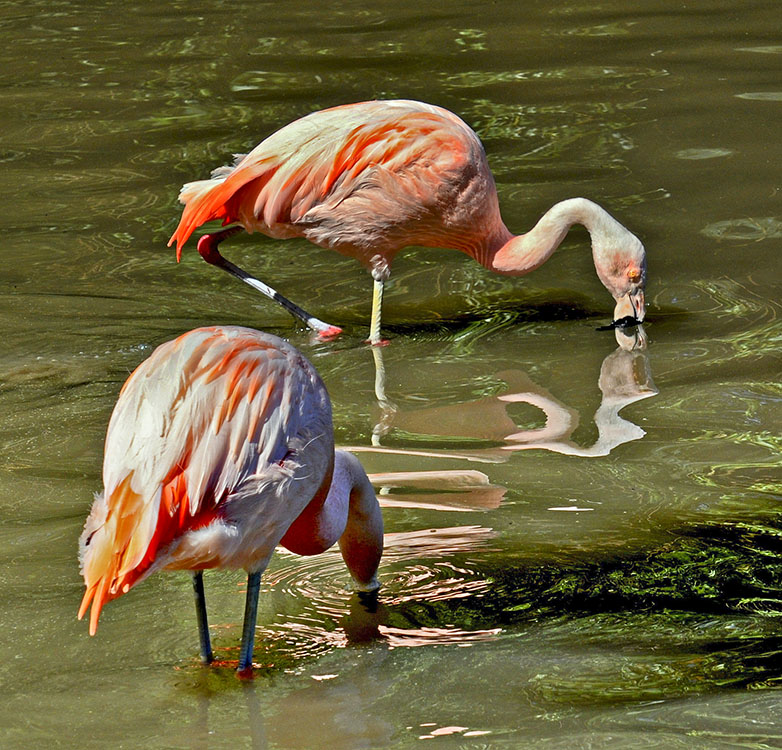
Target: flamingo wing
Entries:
(217, 414)
(398, 157)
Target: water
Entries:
(599, 568)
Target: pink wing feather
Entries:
(392, 164)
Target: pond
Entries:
(583, 528)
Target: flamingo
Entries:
(371, 178)
(219, 448)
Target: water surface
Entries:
(600, 565)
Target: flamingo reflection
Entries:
(625, 377)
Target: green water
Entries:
(603, 572)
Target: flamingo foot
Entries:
(328, 334)
(245, 674)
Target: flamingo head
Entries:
(621, 266)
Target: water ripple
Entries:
(761, 96)
(322, 614)
(474, 79)
(412, 637)
(696, 154)
(750, 228)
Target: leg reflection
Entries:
(625, 377)
(387, 408)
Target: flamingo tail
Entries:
(217, 198)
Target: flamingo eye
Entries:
(634, 275)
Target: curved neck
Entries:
(526, 252)
(348, 514)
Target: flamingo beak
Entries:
(631, 305)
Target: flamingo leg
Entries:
(207, 247)
(377, 304)
(388, 408)
(203, 627)
(245, 667)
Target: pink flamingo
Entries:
(371, 178)
(219, 448)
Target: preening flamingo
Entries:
(371, 178)
(219, 448)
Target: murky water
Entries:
(600, 565)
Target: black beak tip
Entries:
(627, 322)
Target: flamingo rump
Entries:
(371, 178)
(219, 448)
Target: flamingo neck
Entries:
(521, 254)
(349, 514)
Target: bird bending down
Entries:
(371, 178)
(219, 448)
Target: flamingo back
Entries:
(205, 462)
(360, 178)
